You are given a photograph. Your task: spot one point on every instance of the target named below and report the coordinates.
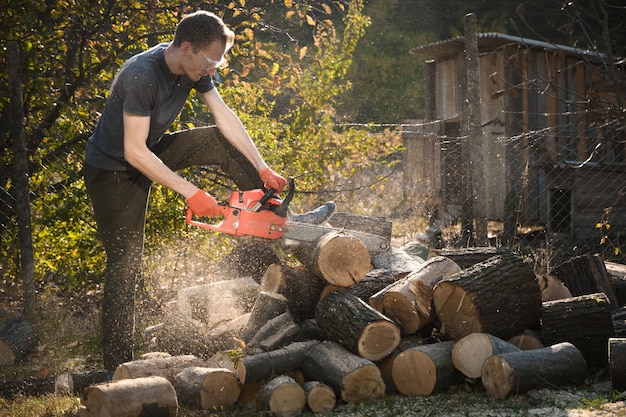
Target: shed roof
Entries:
(490, 41)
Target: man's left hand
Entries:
(273, 180)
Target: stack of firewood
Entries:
(351, 325)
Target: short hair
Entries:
(202, 28)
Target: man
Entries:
(130, 149)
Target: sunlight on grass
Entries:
(43, 406)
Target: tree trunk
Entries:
(425, 370)
(268, 305)
(337, 257)
(152, 395)
(617, 363)
(499, 296)
(261, 366)
(409, 300)
(584, 275)
(320, 397)
(207, 388)
(166, 367)
(518, 372)
(359, 328)
(352, 377)
(470, 353)
(584, 321)
(283, 396)
(17, 339)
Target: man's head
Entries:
(202, 28)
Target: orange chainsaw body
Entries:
(249, 213)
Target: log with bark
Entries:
(585, 321)
(283, 396)
(617, 362)
(149, 396)
(518, 372)
(164, 366)
(619, 321)
(351, 322)
(337, 257)
(352, 377)
(527, 340)
(267, 306)
(396, 259)
(470, 353)
(617, 275)
(586, 274)
(207, 388)
(264, 365)
(374, 225)
(499, 296)
(17, 340)
(276, 333)
(320, 398)
(374, 281)
(468, 257)
(409, 300)
(76, 383)
(425, 370)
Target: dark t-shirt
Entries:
(143, 86)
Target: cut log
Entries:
(470, 353)
(268, 305)
(586, 274)
(518, 372)
(619, 321)
(375, 225)
(527, 340)
(585, 321)
(416, 250)
(617, 275)
(499, 296)
(283, 397)
(352, 377)
(374, 281)
(17, 340)
(276, 333)
(301, 288)
(207, 388)
(409, 300)
(320, 398)
(152, 395)
(425, 370)
(617, 363)
(552, 288)
(351, 322)
(468, 257)
(263, 366)
(218, 302)
(337, 257)
(166, 367)
(396, 259)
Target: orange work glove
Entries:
(272, 180)
(203, 204)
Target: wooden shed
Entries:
(552, 136)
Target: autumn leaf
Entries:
(310, 20)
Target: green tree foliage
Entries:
(70, 51)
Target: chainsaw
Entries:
(260, 213)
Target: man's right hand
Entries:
(203, 204)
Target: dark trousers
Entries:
(119, 200)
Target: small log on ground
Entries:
(301, 288)
(518, 372)
(207, 388)
(268, 305)
(152, 395)
(409, 300)
(352, 377)
(264, 365)
(425, 370)
(355, 325)
(337, 257)
(320, 398)
(617, 362)
(527, 340)
(499, 296)
(283, 397)
(276, 333)
(218, 302)
(470, 353)
(468, 257)
(586, 274)
(166, 367)
(17, 339)
(585, 321)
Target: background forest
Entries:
(320, 85)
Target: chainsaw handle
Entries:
(189, 218)
(268, 194)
